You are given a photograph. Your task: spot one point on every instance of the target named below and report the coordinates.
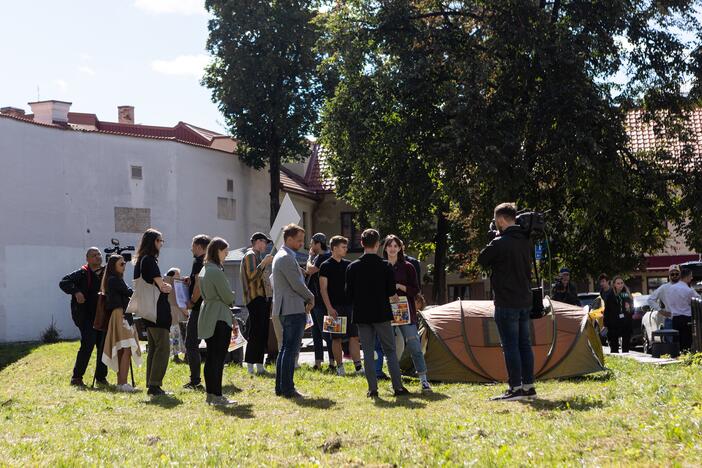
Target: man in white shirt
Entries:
(658, 300)
(679, 303)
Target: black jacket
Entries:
(118, 294)
(370, 282)
(508, 257)
(616, 307)
(568, 295)
(85, 281)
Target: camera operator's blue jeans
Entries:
(293, 329)
(513, 326)
(411, 336)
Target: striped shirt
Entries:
(252, 276)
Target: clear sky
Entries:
(98, 55)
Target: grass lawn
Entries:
(635, 415)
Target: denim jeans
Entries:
(293, 329)
(368, 333)
(379, 360)
(513, 327)
(318, 337)
(411, 336)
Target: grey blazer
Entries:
(289, 290)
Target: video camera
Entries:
(116, 249)
(533, 222)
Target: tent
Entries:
(461, 343)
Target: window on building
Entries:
(136, 172)
(226, 208)
(456, 291)
(351, 232)
(230, 185)
(136, 220)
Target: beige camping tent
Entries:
(462, 344)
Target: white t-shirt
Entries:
(678, 299)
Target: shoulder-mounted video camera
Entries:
(118, 250)
(532, 222)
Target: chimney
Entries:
(14, 111)
(51, 112)
(125, 114)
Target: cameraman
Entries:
(563, 290)
(508, 257)
(83, 286)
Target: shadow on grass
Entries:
(400, 402)
(238, 411)
(603, 376)
(578, 403)
(230, 388)
(164, 401)
(314, 402)
(433, 396)
(11, 353)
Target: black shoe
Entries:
(382, 376)
(102, 382)
(529, 394)
(155, 391)
(511, 395)
(372, 394)
(401, 392)
(294, 394)
(76, 382)
(193, 386)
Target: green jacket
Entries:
(217, 297)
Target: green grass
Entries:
(634, 415)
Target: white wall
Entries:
(57, 198)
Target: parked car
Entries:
(586, 299)
(696, 268)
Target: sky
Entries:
(149, 54)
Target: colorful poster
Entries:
(182, 294)
(334, 325)
(400, 312)
(237, 340)
(309, 323)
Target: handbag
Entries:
(143, 301)
(101, 321)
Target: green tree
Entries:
(264, 79)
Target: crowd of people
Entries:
(279, 295)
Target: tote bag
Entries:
(143, 301)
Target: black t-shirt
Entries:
(151, 271)
(313, 282)
(198, 263)
(335, 273)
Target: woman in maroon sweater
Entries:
(406, 284)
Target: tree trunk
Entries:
(438, 293)
(274, 170)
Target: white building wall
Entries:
(58, 190)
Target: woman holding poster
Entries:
(406, 279)
(215, 322)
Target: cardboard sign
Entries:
(182, 293)
(400, 312)
(287, 214)
(334, 325)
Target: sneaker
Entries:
(372, 394)
(294, 394)
(382, 376)
(426, 388)
(102, 382)
(77, 383)
(402, 391)
(264, 373)
(219, 400)
(193, 386)
(126, 388)
(529, 394)
(157, 391)
(360, 371)
(510, 395)
(340, 370)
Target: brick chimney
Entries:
(125, 114)
(14, 111)
(51, 112)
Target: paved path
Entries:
(642, 357)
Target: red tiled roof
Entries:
(315, 177)
(291, 182)
(644, 136)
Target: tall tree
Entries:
(264, 79)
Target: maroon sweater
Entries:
(406, 276)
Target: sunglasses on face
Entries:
(675, 274)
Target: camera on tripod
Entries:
(118, 250)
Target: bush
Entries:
(51, 334)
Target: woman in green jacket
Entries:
(215, 322)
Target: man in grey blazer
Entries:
(291, 302)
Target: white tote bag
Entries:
(143, 301)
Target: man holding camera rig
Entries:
(508, 256)
(83, 285)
